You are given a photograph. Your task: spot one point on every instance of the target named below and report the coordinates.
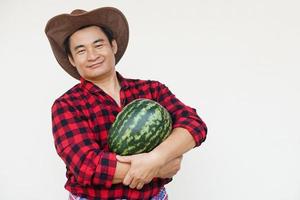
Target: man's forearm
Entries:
(179, 142)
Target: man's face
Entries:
(93, 55)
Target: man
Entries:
(88, 45)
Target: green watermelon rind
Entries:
(126, 138)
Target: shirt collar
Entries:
(123, 81)
(91, 87)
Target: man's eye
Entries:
(99, 45)
(80, 51)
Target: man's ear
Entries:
(114, 46)
(71, 60)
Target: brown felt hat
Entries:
(62, 26)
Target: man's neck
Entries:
(109, 84)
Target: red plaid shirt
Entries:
(81, 119)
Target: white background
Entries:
(236, 62)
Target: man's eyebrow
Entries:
(98, 40)
(78, 46)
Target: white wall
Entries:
(236, 62)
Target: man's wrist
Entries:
(120, 173)
(159, 155)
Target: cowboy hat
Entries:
(62, 26)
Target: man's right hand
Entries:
(171, 168)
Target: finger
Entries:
(140, 186)
(133, 183)
(127, 180)
(147, 181)
(126, 159)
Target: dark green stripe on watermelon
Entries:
(126, 115)
(139, 127)
(138, 141)
(122, 115)
(139, 112)
(131, 128)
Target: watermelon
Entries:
(139, 127)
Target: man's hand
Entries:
(120, 173)
(171, 168)
(144, 167)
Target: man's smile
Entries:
(95, 65)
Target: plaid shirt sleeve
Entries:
(75, 143)
(183, 116)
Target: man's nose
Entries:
(92, 54)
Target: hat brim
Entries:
(61, 26)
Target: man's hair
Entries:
(108, 33)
